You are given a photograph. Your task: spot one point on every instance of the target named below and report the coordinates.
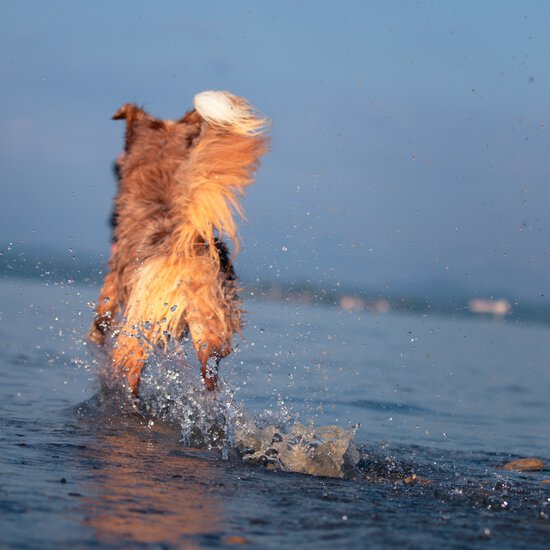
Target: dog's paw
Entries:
(96, 337)
(98, 331)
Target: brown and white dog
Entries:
(170, 273)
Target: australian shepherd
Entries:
(170, 272)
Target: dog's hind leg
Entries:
(213, 316)
(154, 313)
(208, 336)
(129, 355)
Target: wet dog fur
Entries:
(170, 272)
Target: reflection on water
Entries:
(141, 487)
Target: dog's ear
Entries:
(129, 111)
(132, 114)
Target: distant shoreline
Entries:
(53, 268)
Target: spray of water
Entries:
(172, 391)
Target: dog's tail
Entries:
(229, 112)
(219, 168)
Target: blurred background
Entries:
(410, 151)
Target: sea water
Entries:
(331, 430)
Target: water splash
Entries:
(172, 391)
(325, 451)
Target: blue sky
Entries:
(410, 139)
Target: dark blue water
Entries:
(446, 400)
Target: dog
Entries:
(170, 272)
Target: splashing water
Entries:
(172, 392)
(326, 451)
(431, 473)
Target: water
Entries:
(439, 405)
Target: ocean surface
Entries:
(331, 430)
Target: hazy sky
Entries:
(410, 139)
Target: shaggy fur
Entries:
(170, 273)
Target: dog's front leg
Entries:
(105, 310)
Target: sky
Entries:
(410, 140)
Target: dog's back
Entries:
(181, 183)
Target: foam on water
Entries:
(171, 390)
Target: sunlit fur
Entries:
(181, 185)
(224, 108)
